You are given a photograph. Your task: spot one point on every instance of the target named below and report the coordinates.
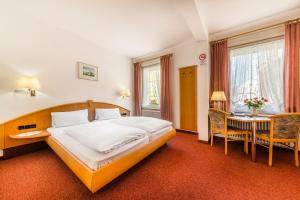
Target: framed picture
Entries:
(88, 72)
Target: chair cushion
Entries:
(279, 136)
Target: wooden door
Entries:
(188, 98)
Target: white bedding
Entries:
(104, 136)
(148, 124)
(93, 159)
(157, 134)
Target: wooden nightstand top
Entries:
(41, 134)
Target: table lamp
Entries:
(218, 96)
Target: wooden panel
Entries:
(42, 120)
(42, 134)
(1, 136)
(188, 98)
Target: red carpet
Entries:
(186, 169)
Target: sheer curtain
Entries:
(257, 71)
(155, 76)
(151, 86)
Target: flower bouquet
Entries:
(255, 104)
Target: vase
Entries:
(254, 112)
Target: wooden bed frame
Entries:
(94, 180)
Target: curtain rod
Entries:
(149, 59)
(256, 41)
(260, 29)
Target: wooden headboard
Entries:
(41, 120)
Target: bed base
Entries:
(95, 180)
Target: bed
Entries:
(93, 169)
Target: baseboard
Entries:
(186, 131)
(194, 133)
(203, 141)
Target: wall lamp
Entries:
(28, 83)
(125, 93)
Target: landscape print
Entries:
(87, 71)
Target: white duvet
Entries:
(104, 136)
(148, 124)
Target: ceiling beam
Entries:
(190, 10)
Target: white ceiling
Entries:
(129, 27)
(138, 27)
(220, 15)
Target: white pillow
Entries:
(61, 119)
(109, 113)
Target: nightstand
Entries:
(30, 135)
(26, 142)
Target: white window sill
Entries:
(249, 113)
(151, 108)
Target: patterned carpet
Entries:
(185, 169)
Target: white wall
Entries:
(31, 48)
(187, 55)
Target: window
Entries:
(151, 87)
(257, 71)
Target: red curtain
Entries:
(219, 74)
(138, 89)
(292, 67)
(165, 94)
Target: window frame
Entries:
(248, 44)
(149, 65)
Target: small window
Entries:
(151, 87)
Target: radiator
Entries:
(151, 113)
(260, 126)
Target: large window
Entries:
(151, 87)
(257, 71)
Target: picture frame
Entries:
(87, 71)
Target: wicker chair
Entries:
(218, 125)
(284, 128)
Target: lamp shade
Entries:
(125, 93)
(218, 96)
(29, 83)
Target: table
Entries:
(37, 134)
(253, 120)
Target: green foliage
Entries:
(257, 103)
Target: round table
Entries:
(253, 120)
